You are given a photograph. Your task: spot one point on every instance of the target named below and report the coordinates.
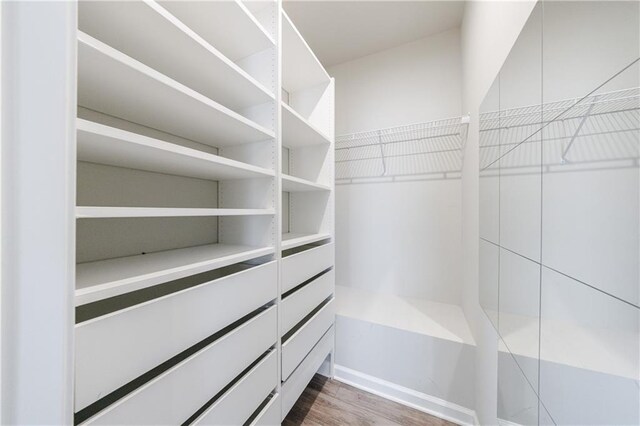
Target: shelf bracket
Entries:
(384, 163)
(563, 158)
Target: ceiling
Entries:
(339, 31)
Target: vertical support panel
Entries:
(279, 196)
(38, 199)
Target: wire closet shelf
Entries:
(431, 150)
(598, 128)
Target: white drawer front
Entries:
(239, 402)
(298, 346)
(292, 388)
(298, 304)
(270, 415)
(114, 349)
(299, 267)
(179, 392)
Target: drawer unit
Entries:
(298, 304)
(143, 336)
(178, 393)
(244, 397)
(270, 414)
(304, 339)
(299, 267)
(293, 387)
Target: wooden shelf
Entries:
(298, 132)
(150, 34)
(102, 144)
(295, 184)
(227, 25)
(301, 68)
(107, 278)
(292, 240)
(99, 212)
(115, 84)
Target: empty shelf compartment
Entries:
(113, 83)
(107, 278)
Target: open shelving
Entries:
(301, 69)
(292, 240)
(107, 278)
(115, 84)
(180, 132)
(95, 212)
(298, 131)
(102, 144)
(295, 184)
(228, 25)
(190, 60)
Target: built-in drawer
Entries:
(298, 345)
(299, 267)
(244, 397)
(113, 349)
(293, 387)
(178, 393)
(270, 414)
(299, 303)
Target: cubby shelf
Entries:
(150, 28)
(107, 278)
(301, 69)
(296, 184)
(113, 83)
(228, 25)
(291, 239)
(102, 144)
(96, 212)
(298, 132)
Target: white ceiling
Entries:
(339, 31)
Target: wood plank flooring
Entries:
(328, 402)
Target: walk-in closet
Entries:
(296, 212)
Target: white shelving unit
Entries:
(95, 212)
(298, 131)
(295, 184)
(115, 84)
(291, 240)
(301, 69)
(111, 277)
(204, 212)
(102, 144)
(307, 279)
(149, 28)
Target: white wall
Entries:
(402, 237)
(414, 82)
(489, 29)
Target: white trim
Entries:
(38, 211)
(502, 422)
(405, 396)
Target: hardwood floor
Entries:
(329, 402)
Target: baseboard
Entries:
(405, 396)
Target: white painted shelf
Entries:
(301, 69)
(422, 316)
(102, 144)
(296, 184)
(228, 25)
(298, 132)
(291, 239)
(99, 212)
(107, 278)
(150, 34)
(113, 83)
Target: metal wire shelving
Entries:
(411, 152)
(600, 127)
